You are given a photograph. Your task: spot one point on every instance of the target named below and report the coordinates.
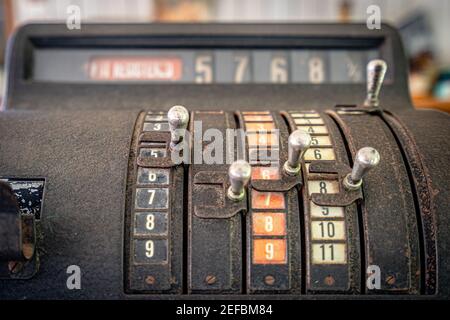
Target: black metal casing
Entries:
(77, 137)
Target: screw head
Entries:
(269, 280)
(329, 280)
(150, 280)
(390, 280)
(210, 279)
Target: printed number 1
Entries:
(331, 247)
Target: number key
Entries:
(320, 141)
(327, 230)
(313, 129)
(156, 126)
(152, 198)
(148, 251)
(269, 223)
(153, 176)
(319, 154)
(150, 223)
(265, 173)
(307, 121)
(267, 200)
(152, 153)
(325, 212)
(323, 186)
(329, 253)
(269, 251)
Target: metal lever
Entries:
(178, 117)
(298, 142)
(239, 174)
(376, 69)
(366, 159)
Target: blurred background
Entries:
(424, 25)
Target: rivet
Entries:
(269, 280)
(210, 279)
(329, 280)
(150, 280)
(390, 280)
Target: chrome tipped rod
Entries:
(299, 141)
(376, 70)
(239, 174)
(178, 118)
(366, 159)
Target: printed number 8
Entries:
(150, 225)
(269, 224)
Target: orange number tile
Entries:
(262, 139)
(256, 112)
(265, 173)
(267, 200)
(255, 118)
(269, 251)
(260, 126)
(269, 223)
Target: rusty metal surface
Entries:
(206, 183)
(424, 193)
(217, 234)
(214, 262)
(388, 213)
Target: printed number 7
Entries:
(152, 196)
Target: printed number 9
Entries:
(269, 251)
(149, 248)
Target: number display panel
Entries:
(204, 66)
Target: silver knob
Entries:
(239, 174)
(376, 69)
(298, 142)
(366, 159)
(178, 117)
